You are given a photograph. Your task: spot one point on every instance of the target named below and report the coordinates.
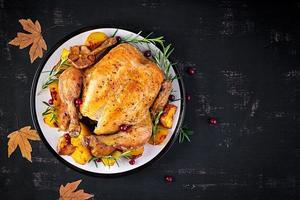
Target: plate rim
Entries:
(37, 126)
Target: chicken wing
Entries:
(162, 98)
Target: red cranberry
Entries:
(55, 124)
(50, 101)
(132, 161)
(118, 38)
(169, 179)
(124, 127)
(213, 121)
(171, 97)
(98, 160)
(78, 102)
(191, 70)
(188, 97)
(68, 138)
(147, 53)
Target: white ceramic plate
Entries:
(50, 135)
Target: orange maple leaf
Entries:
(20, 138)
(34, 37)
(68, 192)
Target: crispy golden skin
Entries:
(120, 89)
(137, 136)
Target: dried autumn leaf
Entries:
(34, 37)
(20, 138)
(68, 192)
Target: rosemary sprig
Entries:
(55, 72)
(155, 123)
(184, 134)
(161, 58)
(126, 154)
(114, 34)
(147, 39)
(51, 110)
(94, 159)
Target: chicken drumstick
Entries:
(70, 83)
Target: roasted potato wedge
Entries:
(110, 161)
(137, 152)
(95, 39)
(81, 154)
(166, 118)
(160, 135)
(48, 119)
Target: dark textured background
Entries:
(248, 72)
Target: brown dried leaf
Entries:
(34, 37)
(68, 192)
(20, 138)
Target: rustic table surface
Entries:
(248, 73)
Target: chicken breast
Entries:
(120, 89)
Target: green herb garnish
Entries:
(184, 134)
(155, 123)
(126, 154)
(55, 72)
(51, 110)
(94, 159)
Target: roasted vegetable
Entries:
(64, 54)
(95, 39)
(50, 115)
(81, 154)
(160, 135)
(64, 147)
(111, 160)
(137, 152)
(50, 121)
(167, 117)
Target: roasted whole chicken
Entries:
(117, 89)
(120, 90)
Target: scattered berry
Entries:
(191, 71)
(172, 97)
(213, 121)
(50, 101)
(98, 160)
(147, 53)
(188, 97)
(118, 38)
(124, 127)
(55, 124)
(78, 102)
(132, 161)
(68, 138)
(169, 179)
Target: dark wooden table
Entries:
(248, 72)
